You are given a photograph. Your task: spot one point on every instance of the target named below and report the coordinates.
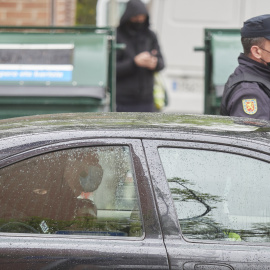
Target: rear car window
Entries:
(81, 191)
(219, 196)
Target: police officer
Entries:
(247, 91)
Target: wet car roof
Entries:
(131, 121)
(24, 133)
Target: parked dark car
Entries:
(134, 191)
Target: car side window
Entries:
(219, 196)
(81, 191)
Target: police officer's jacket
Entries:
(247, 91)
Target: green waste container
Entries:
(46, 70)
(222, 48)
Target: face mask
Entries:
(267, 63)
(136, 26)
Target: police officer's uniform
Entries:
(247, 91)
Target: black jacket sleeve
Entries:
(248, 100)
(155, 46)
(125, 57)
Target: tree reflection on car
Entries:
(204, 227)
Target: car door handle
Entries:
(206, 266)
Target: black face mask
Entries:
(267, 63)
(136, 26)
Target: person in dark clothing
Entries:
(247, 91)
(139, 60)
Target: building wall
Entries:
(64, 12)
(37, 12)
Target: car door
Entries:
(214, 202)
(82, 204)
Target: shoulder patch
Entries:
(250, 106)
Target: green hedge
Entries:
(86, 12)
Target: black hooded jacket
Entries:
(135, 84)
